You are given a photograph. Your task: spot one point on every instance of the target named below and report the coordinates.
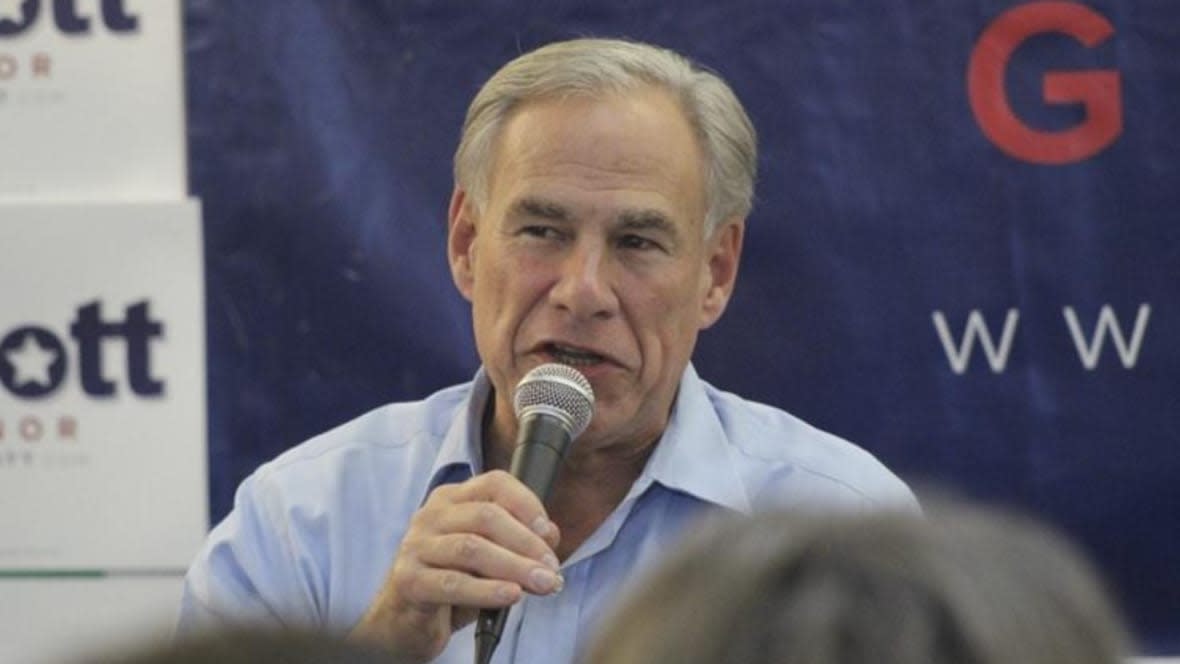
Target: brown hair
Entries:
(253, 646)
(963, 586)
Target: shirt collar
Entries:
(694, 455)
(460, 456)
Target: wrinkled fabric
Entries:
(313, 533)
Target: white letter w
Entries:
(1107, 322)
(959, 358)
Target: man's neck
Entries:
(588, 492)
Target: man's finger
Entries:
(441, 587)
(478, 556)
(495, 524)
(499, 487)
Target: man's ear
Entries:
(723, 253)
(461, 242)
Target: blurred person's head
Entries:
(959, 586)
(247, 646)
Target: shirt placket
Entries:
(547, 630)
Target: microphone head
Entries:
(558, 390)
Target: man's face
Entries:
(590, 252)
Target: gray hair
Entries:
(598, 66)
(963, 585)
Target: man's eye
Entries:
(637, 242)
(543, 232)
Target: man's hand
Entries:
(479, 544)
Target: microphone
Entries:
(553, 405)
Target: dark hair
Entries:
(962, 586)
(248, 646)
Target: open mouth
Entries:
(573, 357)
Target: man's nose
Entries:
(584, 288)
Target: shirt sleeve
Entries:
(248, 568)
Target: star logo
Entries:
(12, 11)
(32, 362)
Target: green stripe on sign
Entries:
(52, 574)
(91, 573)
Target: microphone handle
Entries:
(541, 445)
(540, 448)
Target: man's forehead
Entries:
(558, 161)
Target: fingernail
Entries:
(541, 525)
(560, 584)
(542, 580)
(551, 562)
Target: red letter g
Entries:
(1097, 91)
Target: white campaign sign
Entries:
(91, 100)
(102, 388)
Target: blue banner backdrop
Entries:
(964, 253)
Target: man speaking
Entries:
(597, 220)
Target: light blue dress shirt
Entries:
(314, 532)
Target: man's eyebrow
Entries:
(647, 219)
(539, 207)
